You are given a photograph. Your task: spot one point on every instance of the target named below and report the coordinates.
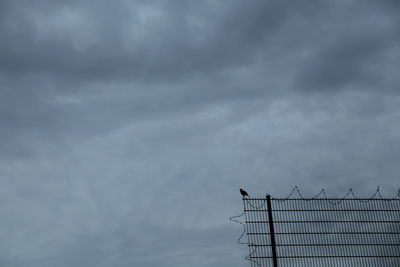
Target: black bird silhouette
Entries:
(244, 193)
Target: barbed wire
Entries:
(234, 219)
(322, 195)
(337, 201)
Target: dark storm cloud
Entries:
(126, 128)
(357, 50)
(357, 60)
(137, 40)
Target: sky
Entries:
(128, 127)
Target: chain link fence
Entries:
(321, 231)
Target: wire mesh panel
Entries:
(323, 231)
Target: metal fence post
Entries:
(271, 231)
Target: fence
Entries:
(321, 231)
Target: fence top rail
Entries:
(328, 199)
(295, 194)
(256, 209)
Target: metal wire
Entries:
(322, 231)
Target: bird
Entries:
(244, 193)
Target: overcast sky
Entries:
(127, 127)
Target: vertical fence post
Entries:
(271, 231)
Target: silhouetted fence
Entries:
(322, 231)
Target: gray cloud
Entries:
(127, 128)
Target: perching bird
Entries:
(244, 193)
